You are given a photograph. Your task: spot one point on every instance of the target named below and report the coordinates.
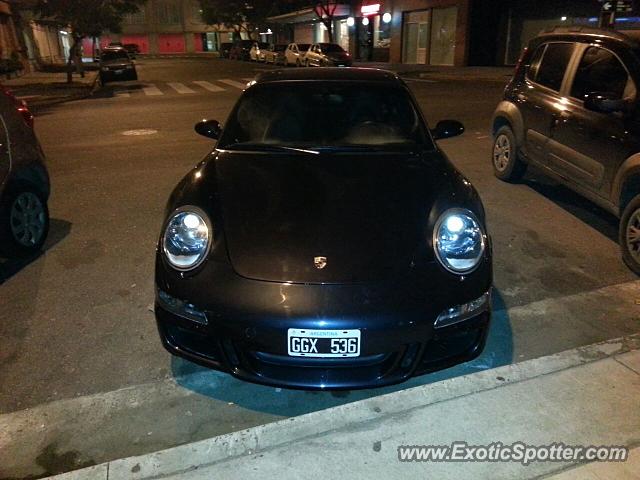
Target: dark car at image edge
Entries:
(572, 109)
(326, 242)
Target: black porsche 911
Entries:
(325, 242)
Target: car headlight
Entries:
(458, 240)
(187, 238)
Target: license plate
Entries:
(323, 343)
(118, 72)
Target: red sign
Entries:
(370, 9)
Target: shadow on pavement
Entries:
(58, 230)
(578, 206)
(288, 403)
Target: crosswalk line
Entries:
(209, 86)
(180, 87)
(233, 83)
(152, 90)
(122, 94)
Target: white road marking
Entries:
(209, 86)
(152, 90)
(180, 87)
(233, 83)
(482, 136)
(122, 94)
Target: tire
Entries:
(505, 157)
(23, 206)
(629, 234)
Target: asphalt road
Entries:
(77, 322)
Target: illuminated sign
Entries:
(370, 9)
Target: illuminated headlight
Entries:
(128, 67)
(458, 240)
(187, 238)
(462, 312)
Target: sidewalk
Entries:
(586, 396)
(47, 88)
(445, 73)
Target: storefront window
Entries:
(443, 36)
(381, 32)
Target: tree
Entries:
(325, 10)
(85, 18)
(240, 16)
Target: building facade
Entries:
(444, 32)
(166, 27)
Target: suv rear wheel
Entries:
(506, 161)
(630, 234)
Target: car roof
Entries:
(329, 74)
(578, 33)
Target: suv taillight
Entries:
(21, 107)
(521, 63)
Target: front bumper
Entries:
(247, 321)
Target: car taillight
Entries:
(21, 107)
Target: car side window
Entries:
(601, 71)
(553, 65)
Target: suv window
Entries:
(553, 65)
(599, 71)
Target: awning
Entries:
(308, 15)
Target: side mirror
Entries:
(603, 102)
(447, 129)
(209, 128)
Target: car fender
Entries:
(630, 167)
(507, 113)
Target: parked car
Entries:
(240, 50)
(326, 55)
(571, 109)
(115, 45)
(225, 48)
(132, 49)
(24, 181)
(326, 242)
(294, 53)
(258, 51)
(116, 64)
(275, 54)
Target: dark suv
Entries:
(572, 109)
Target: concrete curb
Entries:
(92, 88)
(265, 437)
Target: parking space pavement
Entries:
(588, 396)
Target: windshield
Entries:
(279, 48)
(331, 48)
(303, 46)
(330, 115)
(117, 55)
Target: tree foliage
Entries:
(240, 16)
(85, 18)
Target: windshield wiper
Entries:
(265, 147)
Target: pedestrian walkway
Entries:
(571, 401)
(123, 90)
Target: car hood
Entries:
(365, 214)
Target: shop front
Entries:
(427, 32)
